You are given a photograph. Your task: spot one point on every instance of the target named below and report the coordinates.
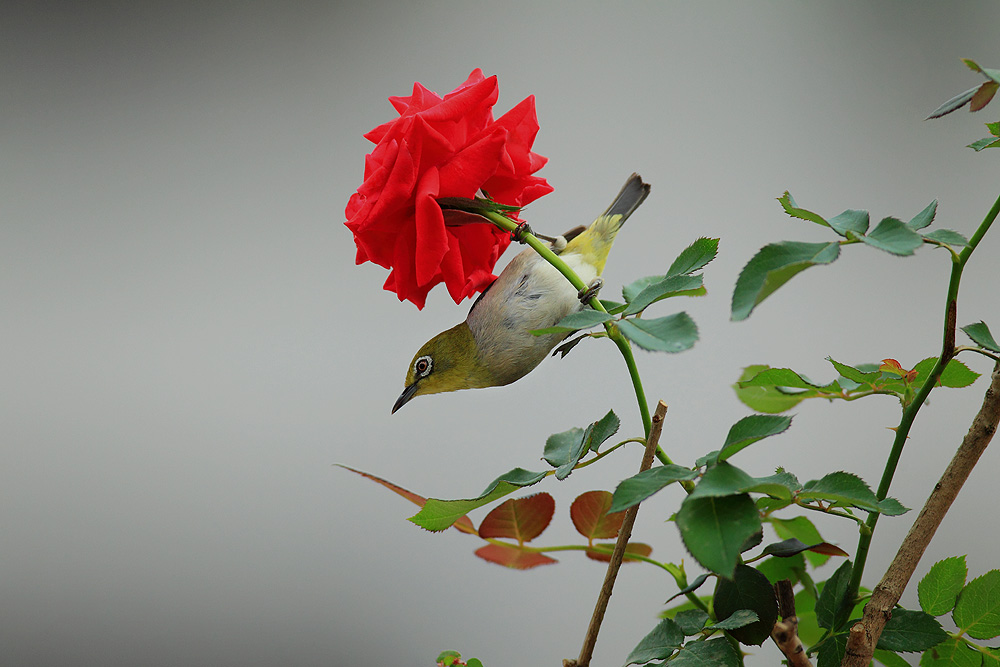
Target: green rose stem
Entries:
(505, 223)
(910, 411)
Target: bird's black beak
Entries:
(404, 398)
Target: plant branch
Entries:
(590, 639)
(785, 633)
(864, 634)
(970, 348)
(910, 412)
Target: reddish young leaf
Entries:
(513, 556)
(828, 549)
(983, 95)
(892, 366)
(463, 525)
(522, 519)
(636, 548)
(590, 515)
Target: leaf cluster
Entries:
(777, 263)
(671, 333)
(775, 390)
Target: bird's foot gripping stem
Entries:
(518, 234)
(591, 290)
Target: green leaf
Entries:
(559, 447)
(593, 437)
(690, 588)
(953, 652)
(602, 429)
(780, 485)
(854, 374)
(831, 652)
(695, 257)
(986, 142)
(805, 609)
(564, 450)
(793, 210)
(955, 375)
(981, 336)
(991, 74)
(751, 429)
(712, 653)
(637, 488)
(831, 612)
(800, 528)
(474, 662)
(889, 659)
(633, 289)
(765, 398)
(924, 218)
(776, 569)
(847, 489)
(893, 236)
(953, 104)
(437, 515)
(892, 507)
(714, 529)
(784, 377)
(613, 307)
(747, 590)
(582, 319)
(850, 223)
(908, 631)
(673, 333)
(664, 639)
(448, 658)
(662, 289)
(691, 621)
(994, 128)
(948, 237)
(723, 479)
(738, 619)
(773, 266)
(939, 589)
(977, 612)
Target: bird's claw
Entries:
(518, 234)
(591, 290)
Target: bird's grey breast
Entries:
(529, 294)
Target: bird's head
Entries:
(447, 362)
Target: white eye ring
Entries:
(422, 367)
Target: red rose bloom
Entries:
(443, 147)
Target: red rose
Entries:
(443, 147)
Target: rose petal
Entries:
(464, 173)
(432, 239)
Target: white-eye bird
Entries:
(494, 345)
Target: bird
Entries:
(494, 346)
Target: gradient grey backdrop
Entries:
(188, 346)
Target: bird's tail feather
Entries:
(595, 242)
(633, 193)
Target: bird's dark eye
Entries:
(422, 366)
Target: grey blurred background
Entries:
(188, 347)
